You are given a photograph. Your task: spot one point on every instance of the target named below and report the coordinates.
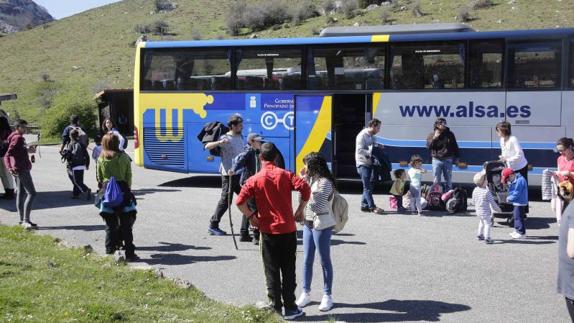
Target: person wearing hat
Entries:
(444, 151)
(518, 196)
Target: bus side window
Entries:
(534, 64)
(571, 64)
(486, 64)
(261, 68)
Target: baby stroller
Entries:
(499, 190)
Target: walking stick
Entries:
(229, 196)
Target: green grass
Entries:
(41, 281)
(94, 48)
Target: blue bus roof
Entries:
(518, 34)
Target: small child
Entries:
(518, 196)
(398, 188)
(484, 204)
(96, 154)
(416, 173)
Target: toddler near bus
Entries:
(416, 174)
(398, 188)
(484, 203)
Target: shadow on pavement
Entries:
(538, 223)
(335, 242)
(394, 311)
(87, 228)
(146, 191)
(212, 181)
(177, 259)
(49, 200)
(169, 247)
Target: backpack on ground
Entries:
(340, 211)
(82, 136)
(434, 201)
(113, 195)
(457, 203)
(210, 133)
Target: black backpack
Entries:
(210, 133)
(75, 154)
(457, 203)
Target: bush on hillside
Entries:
(463, 14)
(142, 29)
(72, 100)
(164, 5)
(328, 6)
(480, 4)
(386, 16)
(257, 16)
(160, 28)
(45, 92)
(416, 8)
(365, 3)
(302, 11)
(349, 8)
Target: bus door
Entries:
(312, 127)
(350, 114)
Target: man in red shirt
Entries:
(271, 187)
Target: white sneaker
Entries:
(303, 300)
(516, 235)
(26, 225)
(326, 303)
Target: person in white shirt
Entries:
(109, 126)
(416, 174)
(511, 151)
(363, 159)
(484, 204)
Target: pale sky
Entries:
(64, 8)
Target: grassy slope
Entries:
(98, 41)
(41, 281)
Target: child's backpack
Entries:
(434, 201)
(457, 203)
(82, 136)
(340, 211)
(210, 133)
(75, 154)
(113, 195)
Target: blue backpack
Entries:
(113, 196)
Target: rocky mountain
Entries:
(16, 15)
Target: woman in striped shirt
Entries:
(318, 228)
(484, 204)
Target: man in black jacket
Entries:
(444, 151)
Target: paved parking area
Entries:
(388, 268)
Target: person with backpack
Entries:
(108, 126)
(19, 165)
(115, 173)
(74, 124)
(444, 151)
(7, 180)
(271, 187)
(78, 161)
(231, 145)
(318, 228)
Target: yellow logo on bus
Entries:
(170, 102)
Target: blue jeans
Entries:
(444, 168)
(367, 201)
(518, 214)
(317, 240)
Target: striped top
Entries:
(321, 191)
(483, 201)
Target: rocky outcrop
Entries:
(17, 15)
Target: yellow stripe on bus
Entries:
(318, 134)
(138, 110)
(376, 100)
(380, 38)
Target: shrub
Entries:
(142, 29)
(395, 6)
(365, 3)
(234, 19)
(257, 16)
(45, 92)
(386, 16)
(328, 6)
(479, 4)
(164, 5)
(349, 8)
(463, 14)
(72, 100)
(160, 28)
(196, 35)
(302, 11)
(416, 8)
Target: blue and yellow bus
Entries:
(316, 94)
